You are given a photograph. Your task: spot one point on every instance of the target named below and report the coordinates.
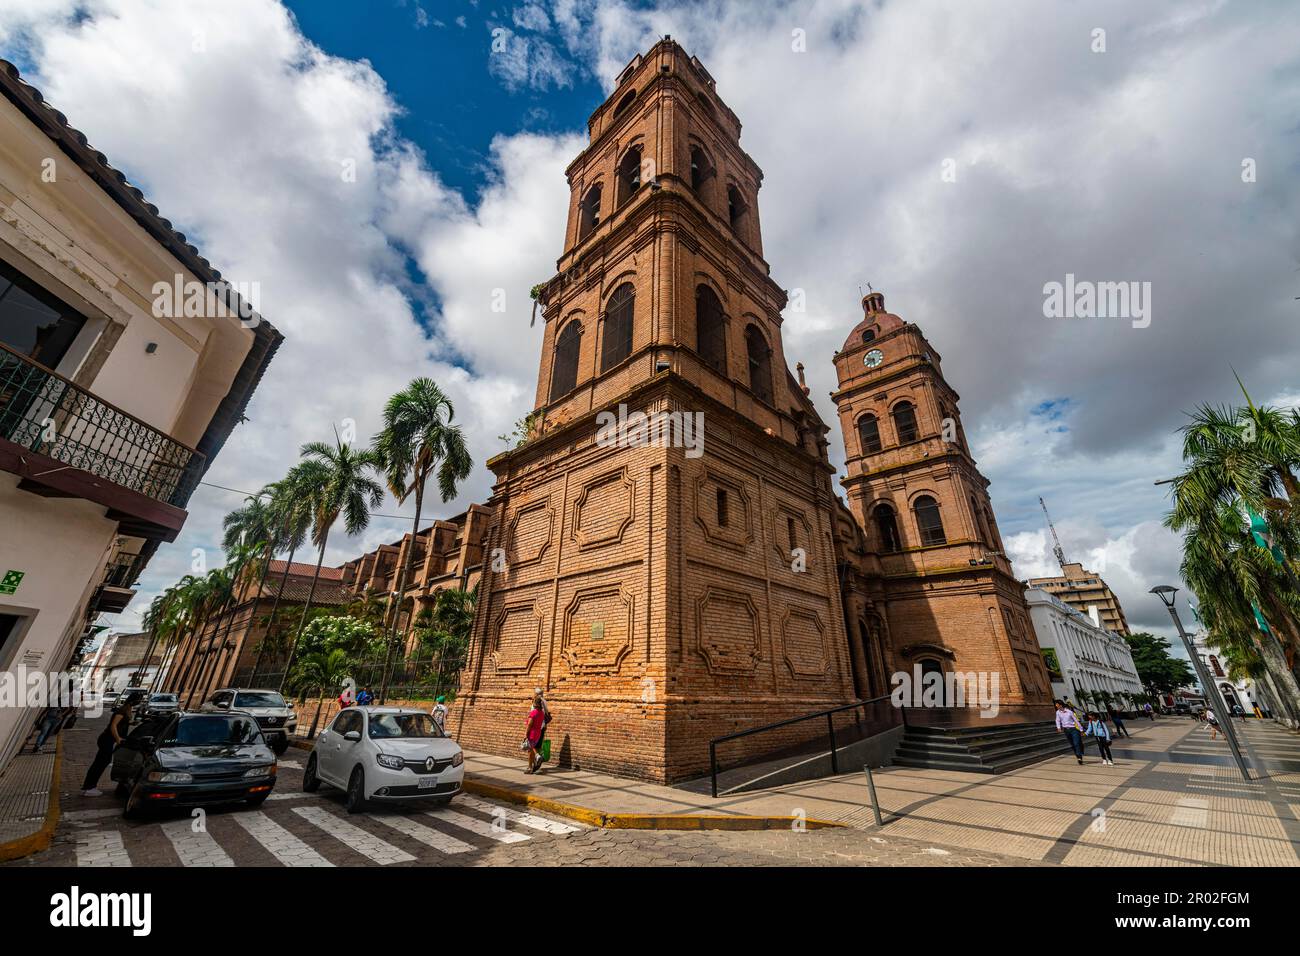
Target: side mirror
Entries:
(224, 704)
(352, 735)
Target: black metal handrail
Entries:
(44, 412)
(828, 714)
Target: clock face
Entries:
(873, 358)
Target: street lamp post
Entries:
(1168, 595)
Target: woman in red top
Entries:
(535, 727)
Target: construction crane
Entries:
(1056, 542)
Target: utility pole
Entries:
(1056, 542)
(1213, 698)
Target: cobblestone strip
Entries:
(278, 841)
(354, 837)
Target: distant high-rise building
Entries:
(1085, 589)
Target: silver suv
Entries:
(273, 713)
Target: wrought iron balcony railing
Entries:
(44, 412)
(123, 570)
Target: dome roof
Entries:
(875, 319)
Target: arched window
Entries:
(887, 528)
(710, 329)
(616, 342)
(905, 422)
(624, 103)
(869, 335)
(869, 434)
(564, 370)
(701, 168)
(979, 513)
(735, 206)
(760, 363)
(928, 522)
(589, 212)
(629, 174)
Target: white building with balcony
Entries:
(113, 401)
(1080, 654)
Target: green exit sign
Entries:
(9, 583)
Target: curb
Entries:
(627, 821)
(40, 840)
(640, 821)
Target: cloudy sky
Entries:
(957, 155)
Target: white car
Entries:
(385, 754)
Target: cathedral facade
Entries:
(666, 554)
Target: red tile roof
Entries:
(301, 568)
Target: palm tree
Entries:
(418, 440)
(321, 670)
(1241, 461)
(291, 519)
(336, 482)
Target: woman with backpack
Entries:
(1097, 729)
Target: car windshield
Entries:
(258, 698)
(383, 726)
(163, 699)
(216, 729)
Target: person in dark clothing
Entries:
(52, 722)
(118, 725)
(1119, 724)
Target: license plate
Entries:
(428, 783)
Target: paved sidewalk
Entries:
(28, 811)
(1174, 798)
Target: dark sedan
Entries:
(190, 760)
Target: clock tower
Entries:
(945, 587)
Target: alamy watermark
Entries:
(182, 298)
(1083, 299)
(975, 689)
(32, 689)
(653, 430)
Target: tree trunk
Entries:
(199, 660)
(302, 621)
(275, 606)
(234, 612)
(1281, 680)
(401, 585)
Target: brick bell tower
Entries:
(946, 588)
(663, 588)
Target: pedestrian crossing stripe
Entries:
(474, 825)
(101, 848)
(97, 844)
(279, 842)
(195, 847)
(353, 837)
(426, 835)
(530, 820)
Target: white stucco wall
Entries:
(61, 545)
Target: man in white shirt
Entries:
(1068, 724)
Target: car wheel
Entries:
(356, 797)
(280, 744)
(134, 808)
(310, 782)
